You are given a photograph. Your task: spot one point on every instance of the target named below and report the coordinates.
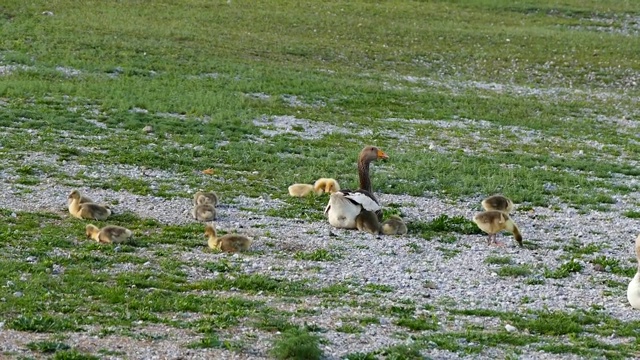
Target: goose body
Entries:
(204, 212)
(494, 221)
(108, 234)
(87, 210)
(200, 198)
(328, 185)
(226, 243)
(394, 226)
(498, 202)
(345, 205)
(301, 190)
(367, 221)
(633, 290)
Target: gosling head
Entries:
(209, 231)
(331, 187)
(91, 230)
(75, 194)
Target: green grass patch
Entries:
(297, 344)
(564, 270)
(444, 224)
(498, 260)
(514, 270)
(47, 346)
(316, 255)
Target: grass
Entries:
(498, 260)
(444, 224)
(47, 346)
(469, 98)
(297, 344)
(316, 255)
(563, 270)
(514, 270)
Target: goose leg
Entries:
(495, 240)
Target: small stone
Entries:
(430, 285)
(148, 129)
(18, 294)
(510, 328)
(14, 215)
(598, 267)
(57, 269)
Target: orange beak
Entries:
(382, 155)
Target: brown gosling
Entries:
(328, 185)
(494, 221)
(88, 210)
(498, 202)
(394, 226)
(204, 212)
(227, 243)
(367, 221)
(108, 234)
(302, 190)
(201, 197)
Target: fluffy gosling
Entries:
(302, 190)
(367, 221)
(201, 197)
(394, 226)
(498, 202)
(493, 221)
(227, 243)
(204, 212)
(87, 210)
(327, 185)
(108, 234)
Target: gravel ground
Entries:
(462, 281)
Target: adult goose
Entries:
(633, 290)
(345, 205)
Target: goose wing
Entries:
(363, 198)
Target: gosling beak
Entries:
(382, 155)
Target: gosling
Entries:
(328, 185)
(87, 210)
(499, 203)
(394, 226)
(302, 190)
(367, 221)
(204, 212)
(493, 221)
(228, 243)
(200, 198)
(108, 234)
